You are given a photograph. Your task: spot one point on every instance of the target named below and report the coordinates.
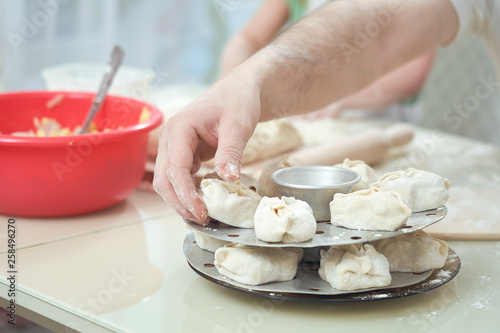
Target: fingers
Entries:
(181, 160)
(187, 194)
(192, 137)
(232, 140)
(164, 187)
(203, 153)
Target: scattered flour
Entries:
(443, 274)
(479, 305)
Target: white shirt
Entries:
(481, 18)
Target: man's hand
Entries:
(218, 124)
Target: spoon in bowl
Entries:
(113, 65)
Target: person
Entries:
(338, 50)
(393, 96)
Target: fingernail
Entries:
(232, 172)
(204, 224)
(229, 172)
(196, 216)
(204, 215)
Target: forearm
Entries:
(236, 51)
(329, 55)
(399, 84)
(259, 31)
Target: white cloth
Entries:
(481, 18)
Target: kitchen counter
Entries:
(123, 270)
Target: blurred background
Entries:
(180, 42)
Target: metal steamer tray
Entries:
(326, 233)
(308, 286)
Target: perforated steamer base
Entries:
(326, 234)
(308, 286)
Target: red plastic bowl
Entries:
(70, 175)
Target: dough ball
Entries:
(245, 179)
(354, 266)
(255, 265)
(414, 252)
(285, 220)
(271, 189)
(369, 210)
(364, 170)
(207, 242)
(231, 203)
(271, 138)
(420, 190)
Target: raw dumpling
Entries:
(269, 139)
(364, 170)
(369, 210)
(414, 252)
(285, 220)
(231, 203)
(256, 265)
(354, 266)
(245, 179)
(265, 177)
(207, 242)
(420, 190)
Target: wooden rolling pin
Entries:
(371, 147)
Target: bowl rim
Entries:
(280, 182)
(25, 141)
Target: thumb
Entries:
(229, 153)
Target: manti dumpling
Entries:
(369, 210)
(269, 139)
(414, 252)
(245, 179)
(420, 190)
(207, 242)
(354, 266)
(278, 163)
(364, 170)
(255, 265)
(231, 203)
(285, 220)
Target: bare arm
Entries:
(261, 29)
(319, 60)
(343, 48)
(399, 84)
(393, 87)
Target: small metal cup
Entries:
(315, 185)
